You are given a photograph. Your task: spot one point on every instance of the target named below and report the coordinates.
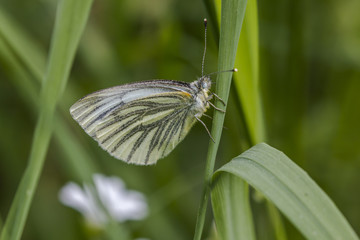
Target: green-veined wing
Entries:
(140, 122)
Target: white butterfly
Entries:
(142, 122)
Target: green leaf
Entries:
(291, 189)
(231, 207)
(70, 22)
(246, 79)
(27, 51)
(276, 221)
(246, 82)
(79, 163)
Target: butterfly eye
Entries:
(204, 84)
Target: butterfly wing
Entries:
(138, 123)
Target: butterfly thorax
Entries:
(201, 88)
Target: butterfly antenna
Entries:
(203, 59)
(213, 73)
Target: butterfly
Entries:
(142, 122)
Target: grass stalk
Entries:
(232, 16)
(70, 21)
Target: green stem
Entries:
(70, 21)
(276, 221)
(232, 16)
(1, 223)
(209, 169)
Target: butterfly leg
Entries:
(216, 96)
(212, 118)
(205, 128)
(220, 110)
(207, 116)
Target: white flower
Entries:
(120, 203)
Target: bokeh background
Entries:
(310, 85)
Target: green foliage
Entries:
(232, 211)
(231, 21)
(247, 78)
(65, 40)
(286, 185)
(298, 80)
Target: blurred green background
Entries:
(310, 84)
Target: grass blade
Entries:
(80, 164)
(70, 21)
(290, 188)
(276, 221)
(232, 16)
(246, 80)
(234, 218)
(27, 51)
(231, 207)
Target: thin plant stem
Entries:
(65, 39)
(232, 16)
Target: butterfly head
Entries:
(202, 84)
(205, 83)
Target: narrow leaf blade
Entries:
(70, 22)
(292, 190)
(231, 207)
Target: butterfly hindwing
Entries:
(137, 124)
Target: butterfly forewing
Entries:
(138, 123)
